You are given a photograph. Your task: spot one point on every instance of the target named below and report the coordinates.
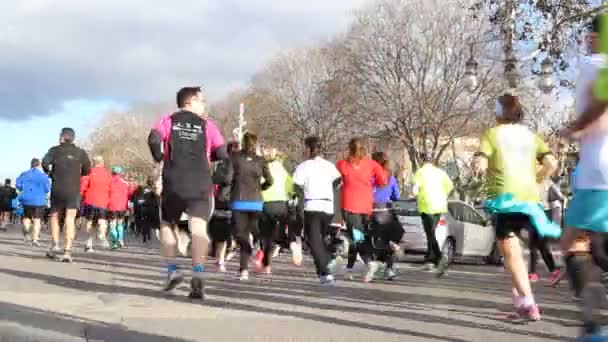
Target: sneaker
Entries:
(276, 251)
(88, 249)
(197, 290)
(296, 253)
(533, 277)
(105, 243)
(372, 268)
(556, 277)
(428, 267)
(531, 312)
(66, 257)
(442, 267)
(348, 274)
(327, 280)
(121, 244)
(52, 253)
(230, 255)
(391, 274)
(35, 243)
(173, 279)
(332, 266)
(221, 267)
(259, 256)
(244, 276)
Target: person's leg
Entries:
(102, 228)
(200, 250)
(352, 221)
(575, 246)
(27, 226)
(533, 242)
(112, 230)
(120, 229)
(241, 234)
(430, 224)
(269, 231)
(313, 230)
(546, 254)
(37, 223)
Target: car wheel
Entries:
(449, 249)
(494, 258)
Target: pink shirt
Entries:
(214, 137)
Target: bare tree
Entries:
(407, 58)
(304, 95)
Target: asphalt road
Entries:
(114, 296)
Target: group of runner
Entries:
(244, 199)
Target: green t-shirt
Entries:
(282, 185)
(512, 151)
(434, 187)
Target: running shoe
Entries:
(53, 251)
(66, 257)
(391, 274)
(372, 269)
(332, 266)
(121, 244)
(533, 277)
(277, 250)
(442, 267)
(173, 280)
(327, 280)
(296, 253)
(35, 243)
(556, 277)
(105, 243)
(88, 249)
(531, 312)
(428, 267)
(197, 288)
(244, 276)
(230, 255)
(348, 274)
(221, 267)
(259, 256)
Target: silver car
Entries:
(463, 232)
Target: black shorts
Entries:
(220, 226)
(118, 215)
(173, 206)
(60, 204)
(93, 213)
(510, 225)
(32, 212)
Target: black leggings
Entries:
(316, 226)
(538, 244)
(363, 248)
(274, 220)
(245, 223)
(433, 251)
(385, 229)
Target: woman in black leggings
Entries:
(249, 170)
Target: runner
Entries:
(586, 221)
(186, 142)
(120, 191)
(275, 216)
(386, 229)
(250, 177)
(34, 186)
(95, 189)
(509, 152)
(65, 163)
(360, 174)
(7, 195)
(146, 209)
(315, 181)
(220, 226)
(432, 186)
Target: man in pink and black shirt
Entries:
(186, 143)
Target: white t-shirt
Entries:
(592, 170)
(316, 177)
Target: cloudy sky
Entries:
(64, 62)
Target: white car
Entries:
(463, 232)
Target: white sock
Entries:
(528, 301)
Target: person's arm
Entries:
(215, 142)
(448, 185)
(47, 184)
(589, 115)
(486, 151)
(86, 164)
(84, 185)
(547, 160)
(267, 175)
(416, 182)
(48, 160)
(395, 193)
(19, 182)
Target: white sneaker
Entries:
(372, 268)
(276, 251)
(244, 276)
(296, 253)
(327, 280)
(348, 274)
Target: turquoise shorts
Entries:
(588, 210)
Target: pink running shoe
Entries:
(531, 312)
(533, 277)
(556, 277)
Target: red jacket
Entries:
(95, 188)
(359, 181)
(120, 192)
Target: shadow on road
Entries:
(72, 326)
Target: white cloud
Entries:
(137, 50)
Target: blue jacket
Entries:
(388, 193)
(34, 185)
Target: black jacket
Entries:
(65, 164)
(222, 177)
(7, 195)
(248, 171)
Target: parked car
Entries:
(463, 232)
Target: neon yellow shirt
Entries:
(434, 186)
(512, 151)
(282, 186)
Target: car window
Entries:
(471, 216)
(405, 208)
(456, 210)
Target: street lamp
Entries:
(545, 81)
(470, 75)
(511, 74)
